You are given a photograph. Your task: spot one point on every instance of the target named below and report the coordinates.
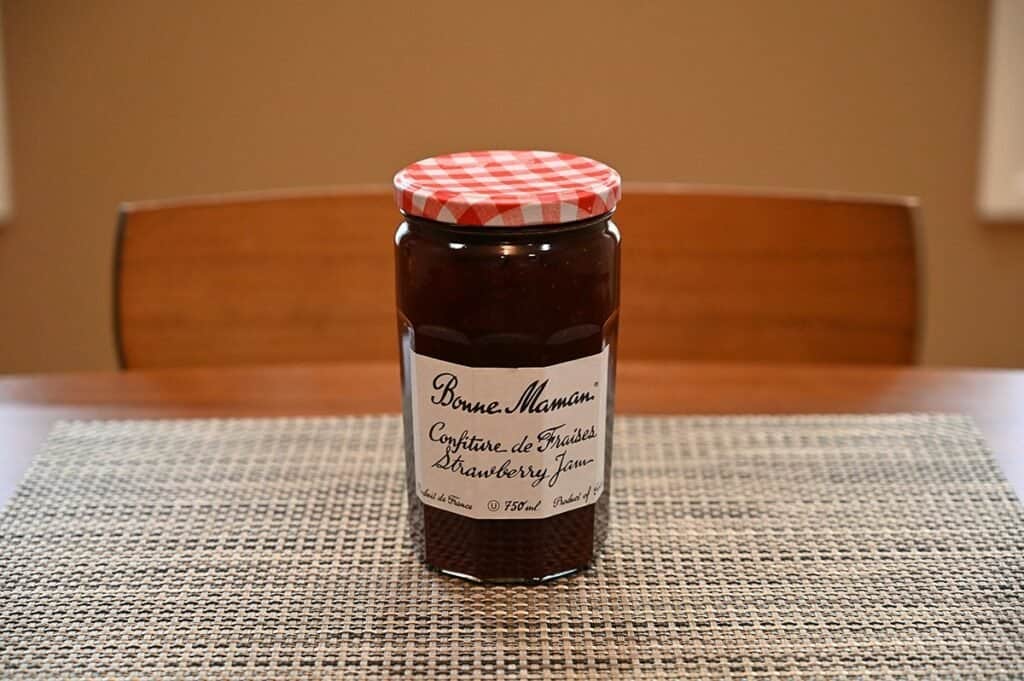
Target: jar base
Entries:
(508, 581)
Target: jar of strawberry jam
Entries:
(507, 272)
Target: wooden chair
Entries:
(716, 274)
(707, 275)
(267, 278)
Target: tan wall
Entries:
(126, 100)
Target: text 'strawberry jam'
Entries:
(507, 271)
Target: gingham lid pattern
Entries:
(507, 188)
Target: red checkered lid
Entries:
(507, 188)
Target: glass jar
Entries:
(507, 333)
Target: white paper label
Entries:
(509, 443)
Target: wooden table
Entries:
(29, 405)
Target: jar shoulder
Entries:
(603, 235)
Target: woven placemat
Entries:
(761, 547)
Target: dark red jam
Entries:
(516, 297)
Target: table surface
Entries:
(29, 405)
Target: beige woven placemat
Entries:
(801, 547)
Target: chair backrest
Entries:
(267, 278)
(722, 274)
(302, 277)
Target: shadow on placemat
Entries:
(742, 547)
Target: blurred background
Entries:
(124, 100)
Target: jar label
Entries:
(497, 443)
